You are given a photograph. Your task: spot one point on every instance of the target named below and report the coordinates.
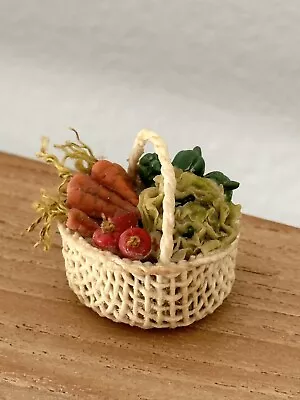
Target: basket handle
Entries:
(169, 186)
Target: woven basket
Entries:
(162, 295)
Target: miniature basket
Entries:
(161, 295)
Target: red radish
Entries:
(124, 221)
(135, 243)
(107, 237)
(106, 240)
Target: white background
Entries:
(222, 74)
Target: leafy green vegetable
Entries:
(149, 167)
(227, 183)
(190, 160)
(206, 223)
(222, 179)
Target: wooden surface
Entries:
(51, 347)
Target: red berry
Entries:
(106, 240)
(125, 221)
(135, 243)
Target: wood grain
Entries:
(51, 347)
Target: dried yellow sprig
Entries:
(63, 172)
(50, 208)
(81, 154)
(53, 208)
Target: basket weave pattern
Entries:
(162, 295)
(135, 296)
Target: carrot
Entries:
(90, 186)
(124, 173)
(115, 178)
(95, 200)
(93, 206)
(80, 222)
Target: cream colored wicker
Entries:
(162, 295)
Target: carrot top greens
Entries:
(49, 208)
(80, 153)
(52, 208)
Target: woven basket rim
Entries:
(84, 247)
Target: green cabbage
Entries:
(206, 222)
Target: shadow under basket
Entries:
(144, 294)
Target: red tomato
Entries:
(107, 240)
(135, 243)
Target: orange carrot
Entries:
(80, 222)
(87, 184)
(95, 200)
(115, 178)
(93, 206)
(124, 173)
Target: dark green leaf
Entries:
(227, 183)
(149, 167)
(189, 233)
(187, 199)
(190, 160)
